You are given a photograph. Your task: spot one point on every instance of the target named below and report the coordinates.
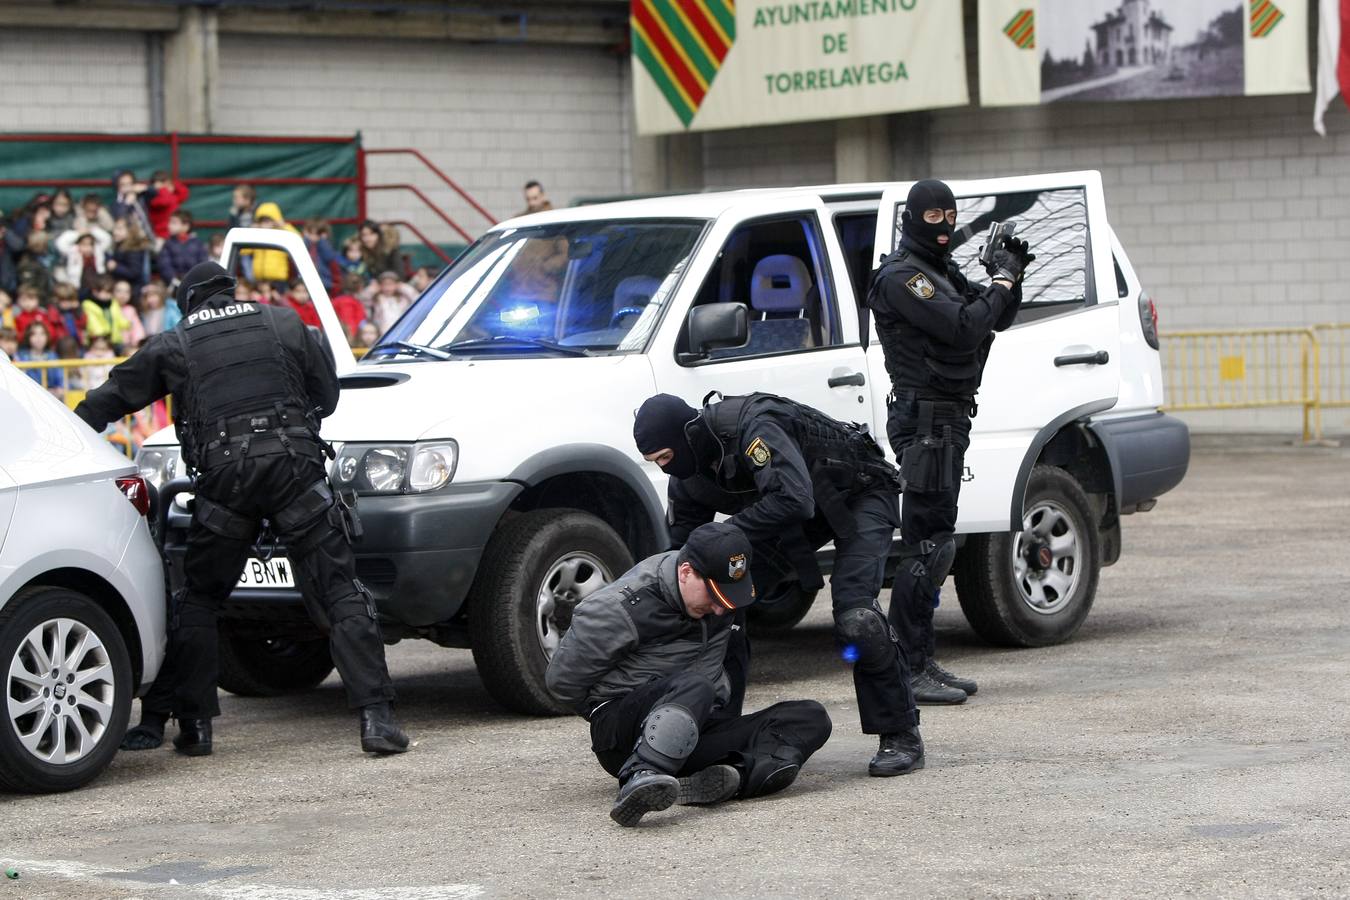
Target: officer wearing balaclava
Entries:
(936, 328)
(250, 383)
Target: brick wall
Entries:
(73, 80)
(490, 116)
(770, 156)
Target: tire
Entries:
(782, 607)
(269, 667)
(514, 621)
(80, 721)
(1008, 596)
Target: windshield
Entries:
(575, 287)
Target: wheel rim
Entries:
(570, 580)
(60, 691)
(1047, 558)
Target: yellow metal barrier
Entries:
(74, 382)
(1333, 339)
(1245, 368)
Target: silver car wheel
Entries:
(1047, 558)
(569, 581)
(60, 691)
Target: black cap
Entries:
(721, 554)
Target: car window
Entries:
(596, 286)
(777, 268)
(857, 234)
(1055, 224)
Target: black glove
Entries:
(1010, 261)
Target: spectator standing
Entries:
(66, 316)
(92, 212)
(242, 201)
(158, 314)
(318, 240)
(123, 297)
(389, 298)
(103, 316)
(351, 312)
(263, 264)
(63, 213)
(36, 347)
(164, 198)
(130, 258)
(85, 254)
(379, 248)
(129, 202)
(298, 299)
(181, 251)
(536, 199)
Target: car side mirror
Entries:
(716, 326)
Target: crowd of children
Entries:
(92, 282)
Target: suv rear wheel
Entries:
(1034, 587)
(67, 694)
(782, 607)
(534, 572)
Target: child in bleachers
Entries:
(130, 258)
(36, 347)
(85, 255)
(63, 213)
(352, 260)
(29, 308)
(9, 343)
(129, 202)
(366, 335)
(123, 297)
(318, 240)
(68, 348)
(266, 292)
(99, 348)
(421, 279)
(351, 312)
(242, 202)
(103, 316)
(389, 298)
(6, 310)
(243, 291)
(93, 213)
(298, 299)
(66, 315)
(35, 264)
(214, 245)
(158, 314)
(182, 250)
(163, 199)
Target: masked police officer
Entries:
(793, 479)
(936, 328)
(644, 663)
(250, 383)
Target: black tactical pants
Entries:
(927, 513)
(758, 744)
(880, 674)
(217, 549)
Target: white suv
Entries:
(489, 433)
(81, 592)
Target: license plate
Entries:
(274, 573)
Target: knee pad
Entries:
(864, 629)
(357, 604)
(669, 735)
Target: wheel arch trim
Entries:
(1043, 437)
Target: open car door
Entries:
(241, 242)
(1060, 360)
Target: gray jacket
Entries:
(632, 631)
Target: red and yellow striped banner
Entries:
(1021, 29)
(1264, 17)
(681, 44)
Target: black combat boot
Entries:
(148, 735)
(379, 732)
(942, 676)
(898, 754)
(711, 785)
(927, 690)
(194, 737)
(646, 790)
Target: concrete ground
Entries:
(1190, 740)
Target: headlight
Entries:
(158, 465)
(395, 468)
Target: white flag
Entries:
(1331, 56)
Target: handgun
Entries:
(997, 232)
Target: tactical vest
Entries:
(242, 383)
(914, 360)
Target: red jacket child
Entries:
(167, 196)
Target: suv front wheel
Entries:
(1034, 587)
(534, 572)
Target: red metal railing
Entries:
(435, 170)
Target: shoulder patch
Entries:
(920, 286)
(758, 451)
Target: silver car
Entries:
(81, 592)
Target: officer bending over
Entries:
(249, 383)
(643, 662)
(793, 479)
(936, 329)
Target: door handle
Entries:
(855, 379)
(1100, 358)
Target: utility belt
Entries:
(944, 405)
(926, 464)
(835, 481)
(276, 431)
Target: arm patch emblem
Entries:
(921, 287)
(758, 451)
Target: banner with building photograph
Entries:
(706, 64)
(1041, 51)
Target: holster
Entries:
(926, 464)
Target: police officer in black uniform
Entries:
(250, 383)
(793, 479)
(936, 328)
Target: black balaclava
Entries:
(660, 425)
(203, 281)
(928, 194)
